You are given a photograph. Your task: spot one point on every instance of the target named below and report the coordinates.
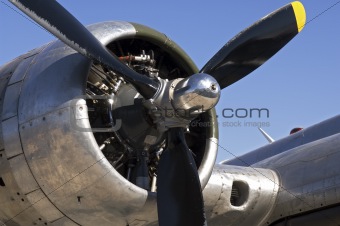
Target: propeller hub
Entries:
(195, 94)
(179, 101)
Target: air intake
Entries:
(239, 193)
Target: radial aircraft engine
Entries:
(114, 124)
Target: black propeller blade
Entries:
(179, 194)
(255, 45)
(56, 19)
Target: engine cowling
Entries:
(78, 145)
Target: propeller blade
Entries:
(255, 45)
(179, 194)
(57, 20)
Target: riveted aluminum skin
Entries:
(59, 171)
(256, 195)
(67, 164)
(50, 172)
(310, 181)
(18, 185)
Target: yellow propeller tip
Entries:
(300, 14)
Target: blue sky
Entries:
(299, 86)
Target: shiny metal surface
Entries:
(108, 31)
(195, 94)
(22, 174)
(11, 137)
(48, 115)
(210, 154)
(100, 188)
(55, 174)
(315, 132)
(162, 111)
(309, 177)
(20, 72)
(65, 174)
(18, 183)
(257, 189)
(11, 101)
(179, 101)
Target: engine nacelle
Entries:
(240, 196)
(65, 158)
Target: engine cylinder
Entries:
(54, 167)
